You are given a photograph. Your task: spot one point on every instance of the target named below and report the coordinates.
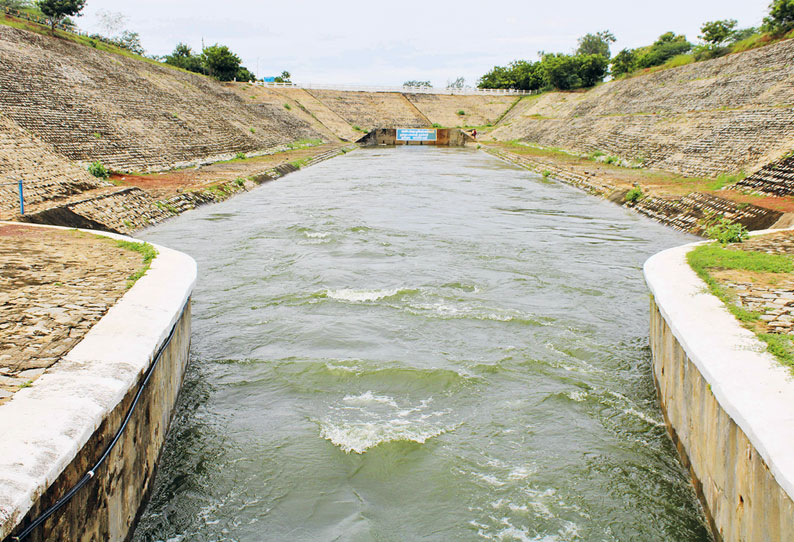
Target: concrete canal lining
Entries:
(55, 430)
(727, 404)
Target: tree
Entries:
(183, 57)
(592, 68)
(220, 62)
(596, 44)
(130, 41)
(458, 83)
(666, 47)
(715, 33)
(244, 74)
(781, 17)
(284, 77)
(624, 62)
(561, 71)
(57, 10)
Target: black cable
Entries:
(90, 474)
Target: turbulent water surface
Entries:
(419, 344)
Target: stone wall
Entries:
(56, 430)
(46, 175)
(725, 403)
(130, 114)
(775, 179)
(690, 213)
(723, 115)
(369, 110)
(445, 109)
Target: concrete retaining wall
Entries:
(54, 431)
(727, 405)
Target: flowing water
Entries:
(419, 343)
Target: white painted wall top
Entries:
(44, 426)
(748, 382)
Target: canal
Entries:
(419, 343)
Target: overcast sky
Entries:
(386, 43)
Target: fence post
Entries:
(21, 199)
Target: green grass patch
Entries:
(780, 346)
(300, 163)
(715, 256)
(726, 179)
(146, 250)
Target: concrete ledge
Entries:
(727, 402)
(52, 430)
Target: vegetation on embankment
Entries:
(592, 60)
(759, 268)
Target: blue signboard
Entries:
(415, 134)
(269, 79)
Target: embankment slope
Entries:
(130, 114)
(730, 114)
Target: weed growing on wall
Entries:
(98, 170)
(146, 250)
(726, 232)
(634, 195)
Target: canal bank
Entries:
(92, 426)
(727, 404)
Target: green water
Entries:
(419, 344)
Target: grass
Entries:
(713, 256)
(146, 250)
(726, 179)
(300, 163)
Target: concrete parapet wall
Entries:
(56, 430)
(727, 405)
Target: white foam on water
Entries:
(359, 437)
(369, 398)
(644, 417)
(359, 296)
(577, 395)
(317, 234)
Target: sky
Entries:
(379, 43)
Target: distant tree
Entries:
(561, 71)
(57, 10)
(498, 77)
(715, 33)
(244, 74)
(744, 33)
(624, 62)
(284, 77)
(666, 47)
(221, 62)
(781, 17)
(596, 44)
(130, 41)
(592, 69)
(183, 57)
(414, 83)
(458, 83)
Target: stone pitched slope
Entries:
(128, 113)
(46, 174)
(444, 109)
(724, 115)
(319, 111)
(369, 110)
(774, 179)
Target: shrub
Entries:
(240, 156)
(633, 195)
(726, 232)
(436, 125)
(781, 17)
(98, 170)
(288, 107)
(461, 112)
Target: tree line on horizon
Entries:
(592, 61)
